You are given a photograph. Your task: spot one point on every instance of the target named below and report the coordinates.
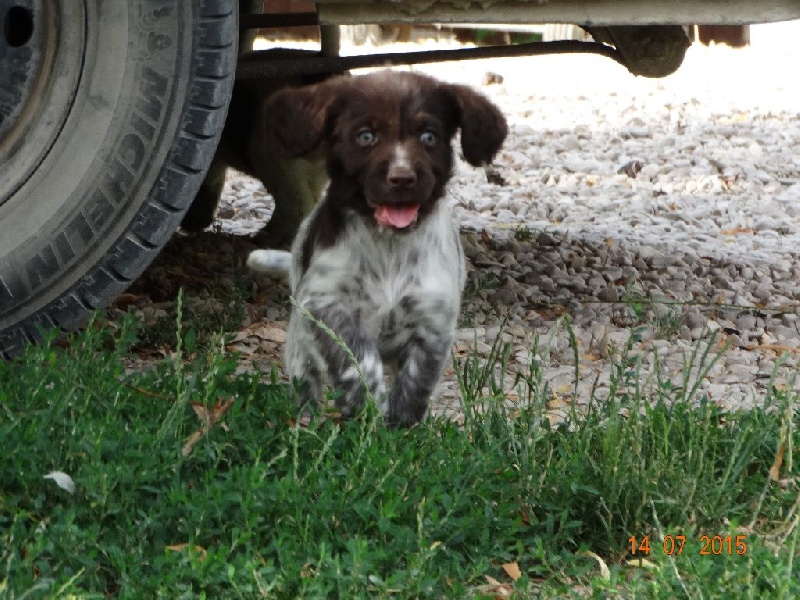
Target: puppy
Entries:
(295, 183)
(379, 261)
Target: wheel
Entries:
(110, 112)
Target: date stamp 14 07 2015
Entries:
(704, 545)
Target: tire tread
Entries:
(204, 109)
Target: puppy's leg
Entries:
(353, 378)
(202, 210)
(303, 364)
(424, 364)
(295, 184)
(308, 387)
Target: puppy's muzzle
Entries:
(401, 177)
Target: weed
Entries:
(523, 233)
(665, 319)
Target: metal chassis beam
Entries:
(266, 65)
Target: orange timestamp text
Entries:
(705, 545)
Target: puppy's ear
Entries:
(483, 126)
(295, 120)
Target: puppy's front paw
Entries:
(402, 411)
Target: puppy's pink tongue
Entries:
(398, 217)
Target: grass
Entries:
(220, 308)
(664, 319)
(195, 481)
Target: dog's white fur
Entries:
(426, 264)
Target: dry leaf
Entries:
(190, 443)
(303, 422)
(209, 417)
(265, 330)
(775, 469)
(778, 348)
(512, 570)
(271, 334)
(605, 573)
(126, 300)
(737, 231)
(243, 347)
(198, 549)
(240, 336)
(62, 480)
(641, 562)
(500, 591)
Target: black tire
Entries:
(114, 112)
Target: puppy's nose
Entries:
(401, 177)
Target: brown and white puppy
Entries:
(295, 183)
(379, 260)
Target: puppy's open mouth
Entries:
(398, 217)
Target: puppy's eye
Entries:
(365, 137)
(428, 138)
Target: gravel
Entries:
(669, 208)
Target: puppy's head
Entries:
(388, 136)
